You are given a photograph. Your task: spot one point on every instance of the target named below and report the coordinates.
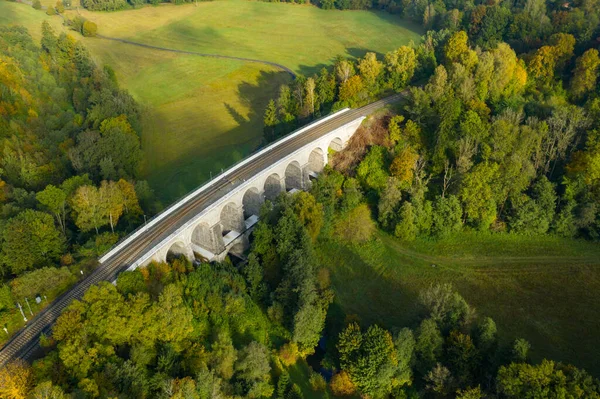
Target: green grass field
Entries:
(22, 14)
(544, 289)
(204, 114)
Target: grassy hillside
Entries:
(203, 114)
(22, 14)
(303, 38)
(543, 289)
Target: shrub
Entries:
(89, 29)
(289, 353)
(342, 385)
(357, 226)
(51, 11)
(60, 8)
(317, 382)
(37, 4)
(48, 281)
(76, 24)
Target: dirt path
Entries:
(555, 261)
(148, 46)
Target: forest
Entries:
(70, 155)
(486, 140)
(176, 330)
(499, 134)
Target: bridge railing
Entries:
(184, 199)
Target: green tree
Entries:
(447, 216)
(309, 212)
(585, 74)
(446, 307)
(356, 226)
(368, 358)
(406, 228)
(462, 357)
(372, 171)
(46, 390)
(477, 195)
(253, 362)
(520, 350)
(428, 347)
(405, 351)
(400, 67)
(55, 200)
(439, 380)
(29, 240)
(389, 201)
(270, 121)
(89, 29)
(370, 70)
(545, 380)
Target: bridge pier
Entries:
(232, 217)
(208, 237)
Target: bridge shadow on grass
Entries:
(195, 166)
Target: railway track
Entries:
(26, 341)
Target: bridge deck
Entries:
(26, 340)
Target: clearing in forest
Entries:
(543, 289)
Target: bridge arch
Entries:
(316, 160)
(336, 144)
(293, 176)
(232, 218)
(252, 201)
(177, 249)
(273, 187)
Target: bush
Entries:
(357, 226)
(51, 11)
(89, 29)
(37, 4)
(60, 8)
(76, 24)
(341, 385)
(48, 281)
(317, 382)
(289, 354)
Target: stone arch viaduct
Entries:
(224, 226)
(215, 219)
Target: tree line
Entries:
(526, 24)
(70, 159)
